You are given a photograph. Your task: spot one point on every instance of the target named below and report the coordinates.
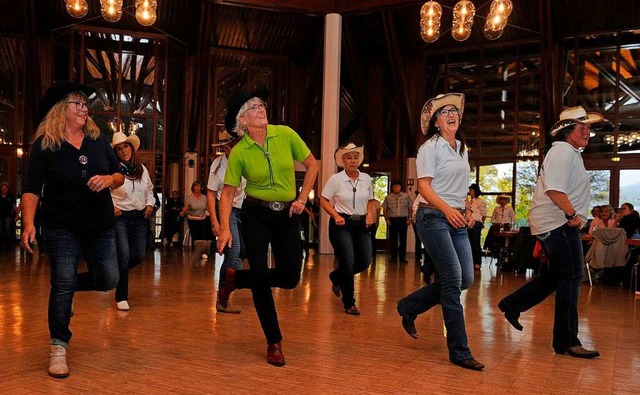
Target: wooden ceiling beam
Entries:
(342, 7)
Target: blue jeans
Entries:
(451, 254)
(65, 247)
(564, 250)
(352, 246)
(131, 238)
(233, 255)
(260, 227)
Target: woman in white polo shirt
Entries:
(443, 179)
(559, 209)
(352, 212)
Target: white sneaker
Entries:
(123, 305)
(58, 367)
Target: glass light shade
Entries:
(77, 8)
(146, 12)
(111, 10)
(502, 7)
(497, 18)
(463, 13)
(430, 15)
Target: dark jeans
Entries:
(398, 237)
(474, 239)
(352, 248)
(451, 253)
(564, 250)
(131, 228)
(65, 247)
(260, 227)
(171, 227)
(373, 229)
(419, 248)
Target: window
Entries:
(629, 187)
(600, 187)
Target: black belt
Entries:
(275, 206)
(462, 211)
(354, 217)
(132, 214)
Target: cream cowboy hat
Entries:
(224, 138)
(120, 137)
(503, 196)
(340, 152)
(574, 115)
(433, 105)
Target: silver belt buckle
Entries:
(276, 206)
(355, 217)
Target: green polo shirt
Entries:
(269, 177)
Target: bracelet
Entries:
(301, 202)
(572, 216)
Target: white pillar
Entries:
(330, 114)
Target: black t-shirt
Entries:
(60, 179)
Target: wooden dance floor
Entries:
(173, 341)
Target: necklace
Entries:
(354, 189)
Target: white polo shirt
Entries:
(340, 188)
(216, 180)
(479, 208)
(449, 169)
(563, 171)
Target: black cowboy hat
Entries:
(235, 103)
(59, 91)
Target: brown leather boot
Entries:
(274, 354)
(58, 362)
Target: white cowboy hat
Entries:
(503, 196)
(120, 137)
(340, 152)
(574, 115)
(433, 105)
(224, 138)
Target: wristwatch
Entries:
(572, 216)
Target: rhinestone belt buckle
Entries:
(276, 206)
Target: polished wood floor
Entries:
(173, 341)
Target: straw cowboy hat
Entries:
(235, 103)
(433, 105)
(224, 138)
(120, 137)
(340, 152)
(574, 115)
(59, 91)
(503, 196)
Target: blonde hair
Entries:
(54, 124)
(238, 129)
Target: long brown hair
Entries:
(434, 130)
(54, 124)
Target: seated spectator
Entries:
(605, 220)
(629, 221)
(595, 213)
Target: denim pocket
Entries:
(543, 236)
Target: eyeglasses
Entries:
(256, 106)
(446, 112)
(81, 104)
